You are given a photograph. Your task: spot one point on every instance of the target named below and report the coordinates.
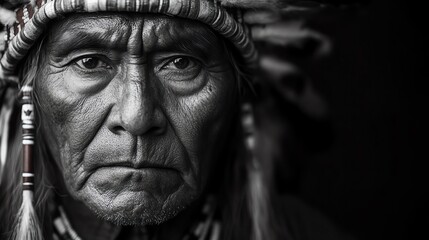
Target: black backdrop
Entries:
(371, 179)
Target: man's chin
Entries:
(134, 208)
(145, 217)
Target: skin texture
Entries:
(135, 109)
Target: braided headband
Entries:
(33, 18)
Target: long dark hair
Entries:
(11, 180)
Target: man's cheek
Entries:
(80, 133)
(74, 120)
(70, 123)
(197, 131)
(83, 125)
(56, 101)
(71, 173)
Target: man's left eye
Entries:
(92, 63)
(182, 74)
(180, 69)
(180, 63)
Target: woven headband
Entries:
(32, 19)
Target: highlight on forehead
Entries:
(112, 29)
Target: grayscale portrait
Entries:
(162, 119)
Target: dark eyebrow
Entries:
(81, 39)
(77, 34)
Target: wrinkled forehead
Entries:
(141, 32)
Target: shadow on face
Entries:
(133, 109)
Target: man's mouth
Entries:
(138, 165)
(127, 176)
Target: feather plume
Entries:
(28, 226)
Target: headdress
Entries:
(26, 25)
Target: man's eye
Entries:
(92, 71)
(92, 63)
(182, 74)
(180, 63)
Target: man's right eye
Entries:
(90, 72)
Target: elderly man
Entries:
(136, 124)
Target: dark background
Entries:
(370, 179)
(369, 176)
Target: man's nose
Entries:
(138, 107)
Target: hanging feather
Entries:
(27, 226)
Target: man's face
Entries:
(135, 108)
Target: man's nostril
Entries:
(117, 129)
(156, 130)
